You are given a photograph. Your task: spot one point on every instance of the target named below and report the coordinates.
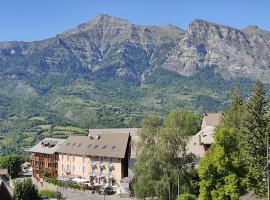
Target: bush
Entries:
(55, 182)
(47, 193)
(72, 185)
(186, 196)
(25, 190)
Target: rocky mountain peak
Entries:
(128, 50)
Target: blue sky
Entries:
(30, 20)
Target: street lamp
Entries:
(179, 171)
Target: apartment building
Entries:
(202, 141)
(101, 158)
(134, 137)
(45, 157)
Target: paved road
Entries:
(87, 196)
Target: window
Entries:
(83, 160)
(67, 167)
(73, 158)
(78, 168)
(62, 157)
(101, 171)
(83, 169)
(73, 168)
(113, 147)
(110, 171)
(62, 167)
(110, 160)
(92, 170)
(67, 157)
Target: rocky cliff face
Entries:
(119, 48)
(232, 52)
(105, 43)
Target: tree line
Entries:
(235, 165)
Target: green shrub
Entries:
(47, 193)
(186, 196)
(62, 184)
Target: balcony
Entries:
(101, 175)
(92, 174)
(110, 165)
(110, 176)
(101, 165)
(49, 160)
(35, 158)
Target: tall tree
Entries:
(11, 162)
(233, 116)
(146, 168)
(162, 154)
(221, 170)
(25, 190)
(255, 138)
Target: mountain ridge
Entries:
(109, 72)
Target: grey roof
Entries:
(106, 144)
(47, 146)
(133, 132)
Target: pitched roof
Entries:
(212, 119)
(105, 144)
(47, 146)
(131, 131)
(195, 143)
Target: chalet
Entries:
(202, 141)
(45, 157)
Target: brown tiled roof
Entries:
(133, 132)
(212, 119)
(107, 145)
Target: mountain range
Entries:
(109, 72)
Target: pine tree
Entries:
(233, 117)
(255, 138)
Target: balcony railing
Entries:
(101, 165)
(110, 165)
(110, 176)
(49, 160)
(35, 158)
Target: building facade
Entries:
(202, 141)
(45, 157)
(100, 158)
